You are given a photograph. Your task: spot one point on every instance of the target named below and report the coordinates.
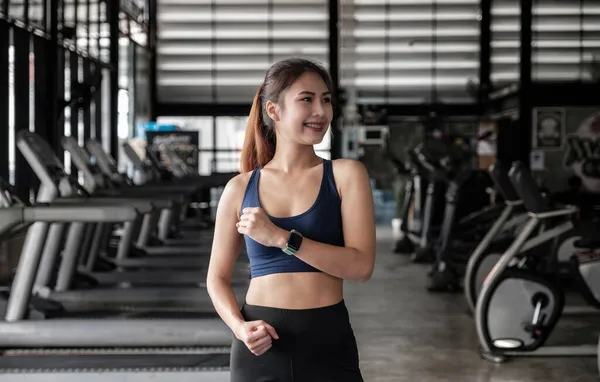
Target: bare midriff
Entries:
(301, 290)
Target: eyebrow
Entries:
(311, 93)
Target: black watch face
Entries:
(295, 241)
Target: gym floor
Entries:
(405, 333)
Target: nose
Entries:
(318, 110)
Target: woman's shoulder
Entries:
(347, 168)
(347, 172)
(238, 183)
(236, 188)
(234, 191)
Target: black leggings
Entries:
(314, 345)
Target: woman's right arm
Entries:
(225, 251)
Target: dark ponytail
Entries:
(259, 141)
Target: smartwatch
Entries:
(293, 243)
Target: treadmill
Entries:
(82, 161)
(107, 165)
(152, 174)
(184, 276)
(66, 274)
(120, 346)
(180, 170)
(161, 199)
(51, 173)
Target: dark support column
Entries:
(152, 43)
(75, 92)
(214, 76)
(525, 93)
(75, 4)
(59, 114)
(97, 134)
(23, 173)
(87, 25)
(133, 94)
(334, 68)
(41, 50)
(86, 113)
(113, 21)
(26, 12)
(485, 42)
(45, 15)
(4, 38)
(54, 78)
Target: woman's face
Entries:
(305, 110)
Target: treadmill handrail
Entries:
(141, 206)
(176, 196)
(157, 202)
(133, 157)
(79, 213)
(105, 162)
(12, 216)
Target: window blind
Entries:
(391, 48)
(565, 41)
(218, 51)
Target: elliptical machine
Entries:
(446, 271)
(519, 306)
(409, 228)
(425, 253)
(449, 168)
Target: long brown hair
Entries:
(259, 141)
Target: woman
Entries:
(308, 224)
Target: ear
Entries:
(272, 110)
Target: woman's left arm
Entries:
(356, 260)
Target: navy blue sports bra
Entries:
(322, 222)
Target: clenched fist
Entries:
(256, 335)
(255, 223)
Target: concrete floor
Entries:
(407, 334)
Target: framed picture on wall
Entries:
(549, 128)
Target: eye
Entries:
(307, 99)
(327, 100)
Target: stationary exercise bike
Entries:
(553, 242)
(490, 248)
(519, 306)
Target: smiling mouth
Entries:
(315, 126)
